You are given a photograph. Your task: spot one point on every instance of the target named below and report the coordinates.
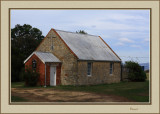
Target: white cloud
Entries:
(120, 28)
(119, 44)
(101, 25)
(124, 33)
(123, 17)
(126, 40)
(136, 46)
(104, 36)
(146, 40)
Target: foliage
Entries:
(135, 71)
(31, 77)
(81, 31)
(21, 75)
(146, 71)
(24, 40)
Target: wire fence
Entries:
(135, 59)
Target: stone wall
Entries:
(74, 72)
(100, 73)
(61, 51)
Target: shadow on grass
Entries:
(18, 99)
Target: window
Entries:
(111, 68)
(34, 64)
(89, 69)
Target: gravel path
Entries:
(53, 95)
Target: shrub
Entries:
(135, 71)
(21, 75)
(31, 77)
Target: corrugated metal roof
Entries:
(47, 57)
(88, 47)
(44, 56)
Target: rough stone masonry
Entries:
(74, 71)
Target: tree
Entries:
(31, 77)
(81, 31)
(135, 71)
(24, 40)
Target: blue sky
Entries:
(126, 31)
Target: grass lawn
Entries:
(17, 84)
(17, 99)
(136, 91)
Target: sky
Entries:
(127, 32)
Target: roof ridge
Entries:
(76, 33)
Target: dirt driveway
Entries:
(53, 95)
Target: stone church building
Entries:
(68, 58)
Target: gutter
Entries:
(45, 76)
(99, 60)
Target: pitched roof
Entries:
(88, 47)
(44, 57)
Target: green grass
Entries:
(22, 85)
(136, 91)
(17, 99)
(17, 84)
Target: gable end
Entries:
(110, 48)
(42, 40)
(31, 56)
(65, 43)
(61, 40)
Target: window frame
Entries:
(35, 63)
(111, 68)
(90, 69)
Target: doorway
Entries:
(52, 76)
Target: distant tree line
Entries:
(24, 40)
(81, 31)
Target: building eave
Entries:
(110, 48)
(98, 60)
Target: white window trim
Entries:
(110, 69)
(35, 63)
(91, 69)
